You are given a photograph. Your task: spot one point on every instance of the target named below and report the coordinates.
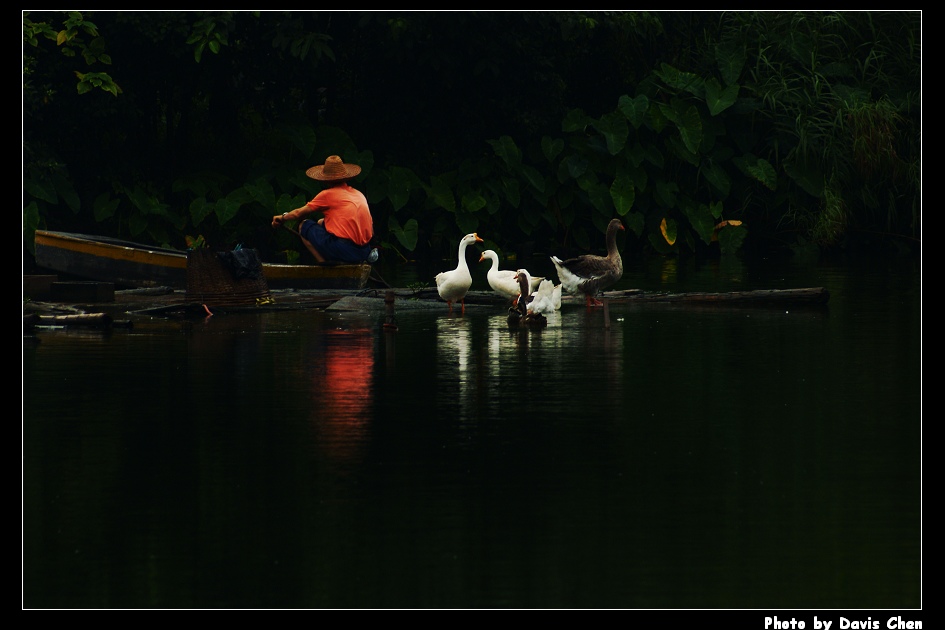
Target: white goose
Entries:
(503, 281)
(543, 300)
(453, 285)
(590, 274)
(556, 296)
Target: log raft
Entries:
(78, 320)
(758, 297)
(369, 300)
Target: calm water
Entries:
(680, 458)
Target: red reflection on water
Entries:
(343, 390)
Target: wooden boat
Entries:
(134, 265)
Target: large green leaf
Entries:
(653, 155)
(716, 175)
(261, 192)
(688, 240)
(301, 135)
(666, 192)
(524, 225)
(493, 202)
(364, 159)
(511, 189)
(636, 153)
(701, 220)
(541, 196)
(581, 240)
(30, 224)
(640, 178)
(613, 126)
(44, 191)
(441, 193)
(407, 234)
(145, 202)
(575, 165)
(240, 196)
(588, 180)
(731, 239)
(66, 191)
(534, 178)
(731, 57)
(634, 221)
(680, 149)
(719, 99)
(655, 119)
(399, 184)
(376, 186)
(472, 201)
(575, 120)
(551, 148)
(568, 214)
(137, 224)
(104, 206)
(658, 243)
(288, 203)
(634, 108)
(565, 198)
(506, 149)
(622, 193)
(764, 172)
(668, 112)
(200, 210)
(467, 222)
(757, 168)
(680, 80)
(599, 196)
(715, 209)
(689, 123)
(226, 209)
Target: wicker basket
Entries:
(213, 280)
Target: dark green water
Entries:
(680, 458)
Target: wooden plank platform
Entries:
(166, 302)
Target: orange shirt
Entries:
(346, 213)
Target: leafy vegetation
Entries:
(708, 133)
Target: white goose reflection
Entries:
(455, 371)
(576, 360)
(573, 365)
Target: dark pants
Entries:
(333, 247)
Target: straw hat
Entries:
(333, 170)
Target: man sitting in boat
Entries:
(344, 232)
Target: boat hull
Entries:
(129, 264)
